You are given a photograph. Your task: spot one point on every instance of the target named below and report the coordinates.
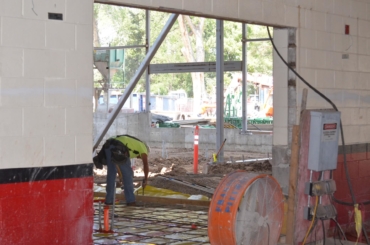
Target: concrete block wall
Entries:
(46, 83)
(322, 43)
(137, 124)
(46, 122)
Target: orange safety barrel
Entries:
(246, 208)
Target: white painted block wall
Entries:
(321, 42)
(345, 81)
(280, 100)
(45, 83)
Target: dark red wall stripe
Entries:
(16, 175)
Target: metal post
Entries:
(100, 229)
(244, 78)
(220, 88)
(113, 207)
(147, 46)
(135, 79)
(108, 77)
(196, 148)
(309, 197)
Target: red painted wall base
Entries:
(359, 172)
(47, 212)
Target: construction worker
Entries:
(116, 154)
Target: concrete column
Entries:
(284, 104)
(244, 78)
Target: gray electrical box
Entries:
(324, 134)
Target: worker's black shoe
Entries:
(131, 204)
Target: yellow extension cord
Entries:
(358, 222)
(313, 220)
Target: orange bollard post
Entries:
(106, 218)
(196, 142)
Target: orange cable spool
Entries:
(246, 208)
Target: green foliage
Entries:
(259, 53)
(119, 26)
(168, 52)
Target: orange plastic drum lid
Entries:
(246, 208)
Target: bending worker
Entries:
(116, 154)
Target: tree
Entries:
(259, 53)
(193, 53)
(169, 52)
(192, 40)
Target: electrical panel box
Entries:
(324, 134)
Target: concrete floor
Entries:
(153, 225)
(331, 241)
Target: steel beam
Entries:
(135, 78)
(258, 39)
(220, 88)
(193, 67)
(120, 47)
(147, 77)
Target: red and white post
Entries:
(196, 142)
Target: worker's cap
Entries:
(147, 147)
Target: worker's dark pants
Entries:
(127, 175)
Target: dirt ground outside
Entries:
(173, 169)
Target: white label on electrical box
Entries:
(329, 132)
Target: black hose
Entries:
(341, 127)
(365, 233)
(268, 237)
(340, 231)
(348, 203)
(323, 230)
